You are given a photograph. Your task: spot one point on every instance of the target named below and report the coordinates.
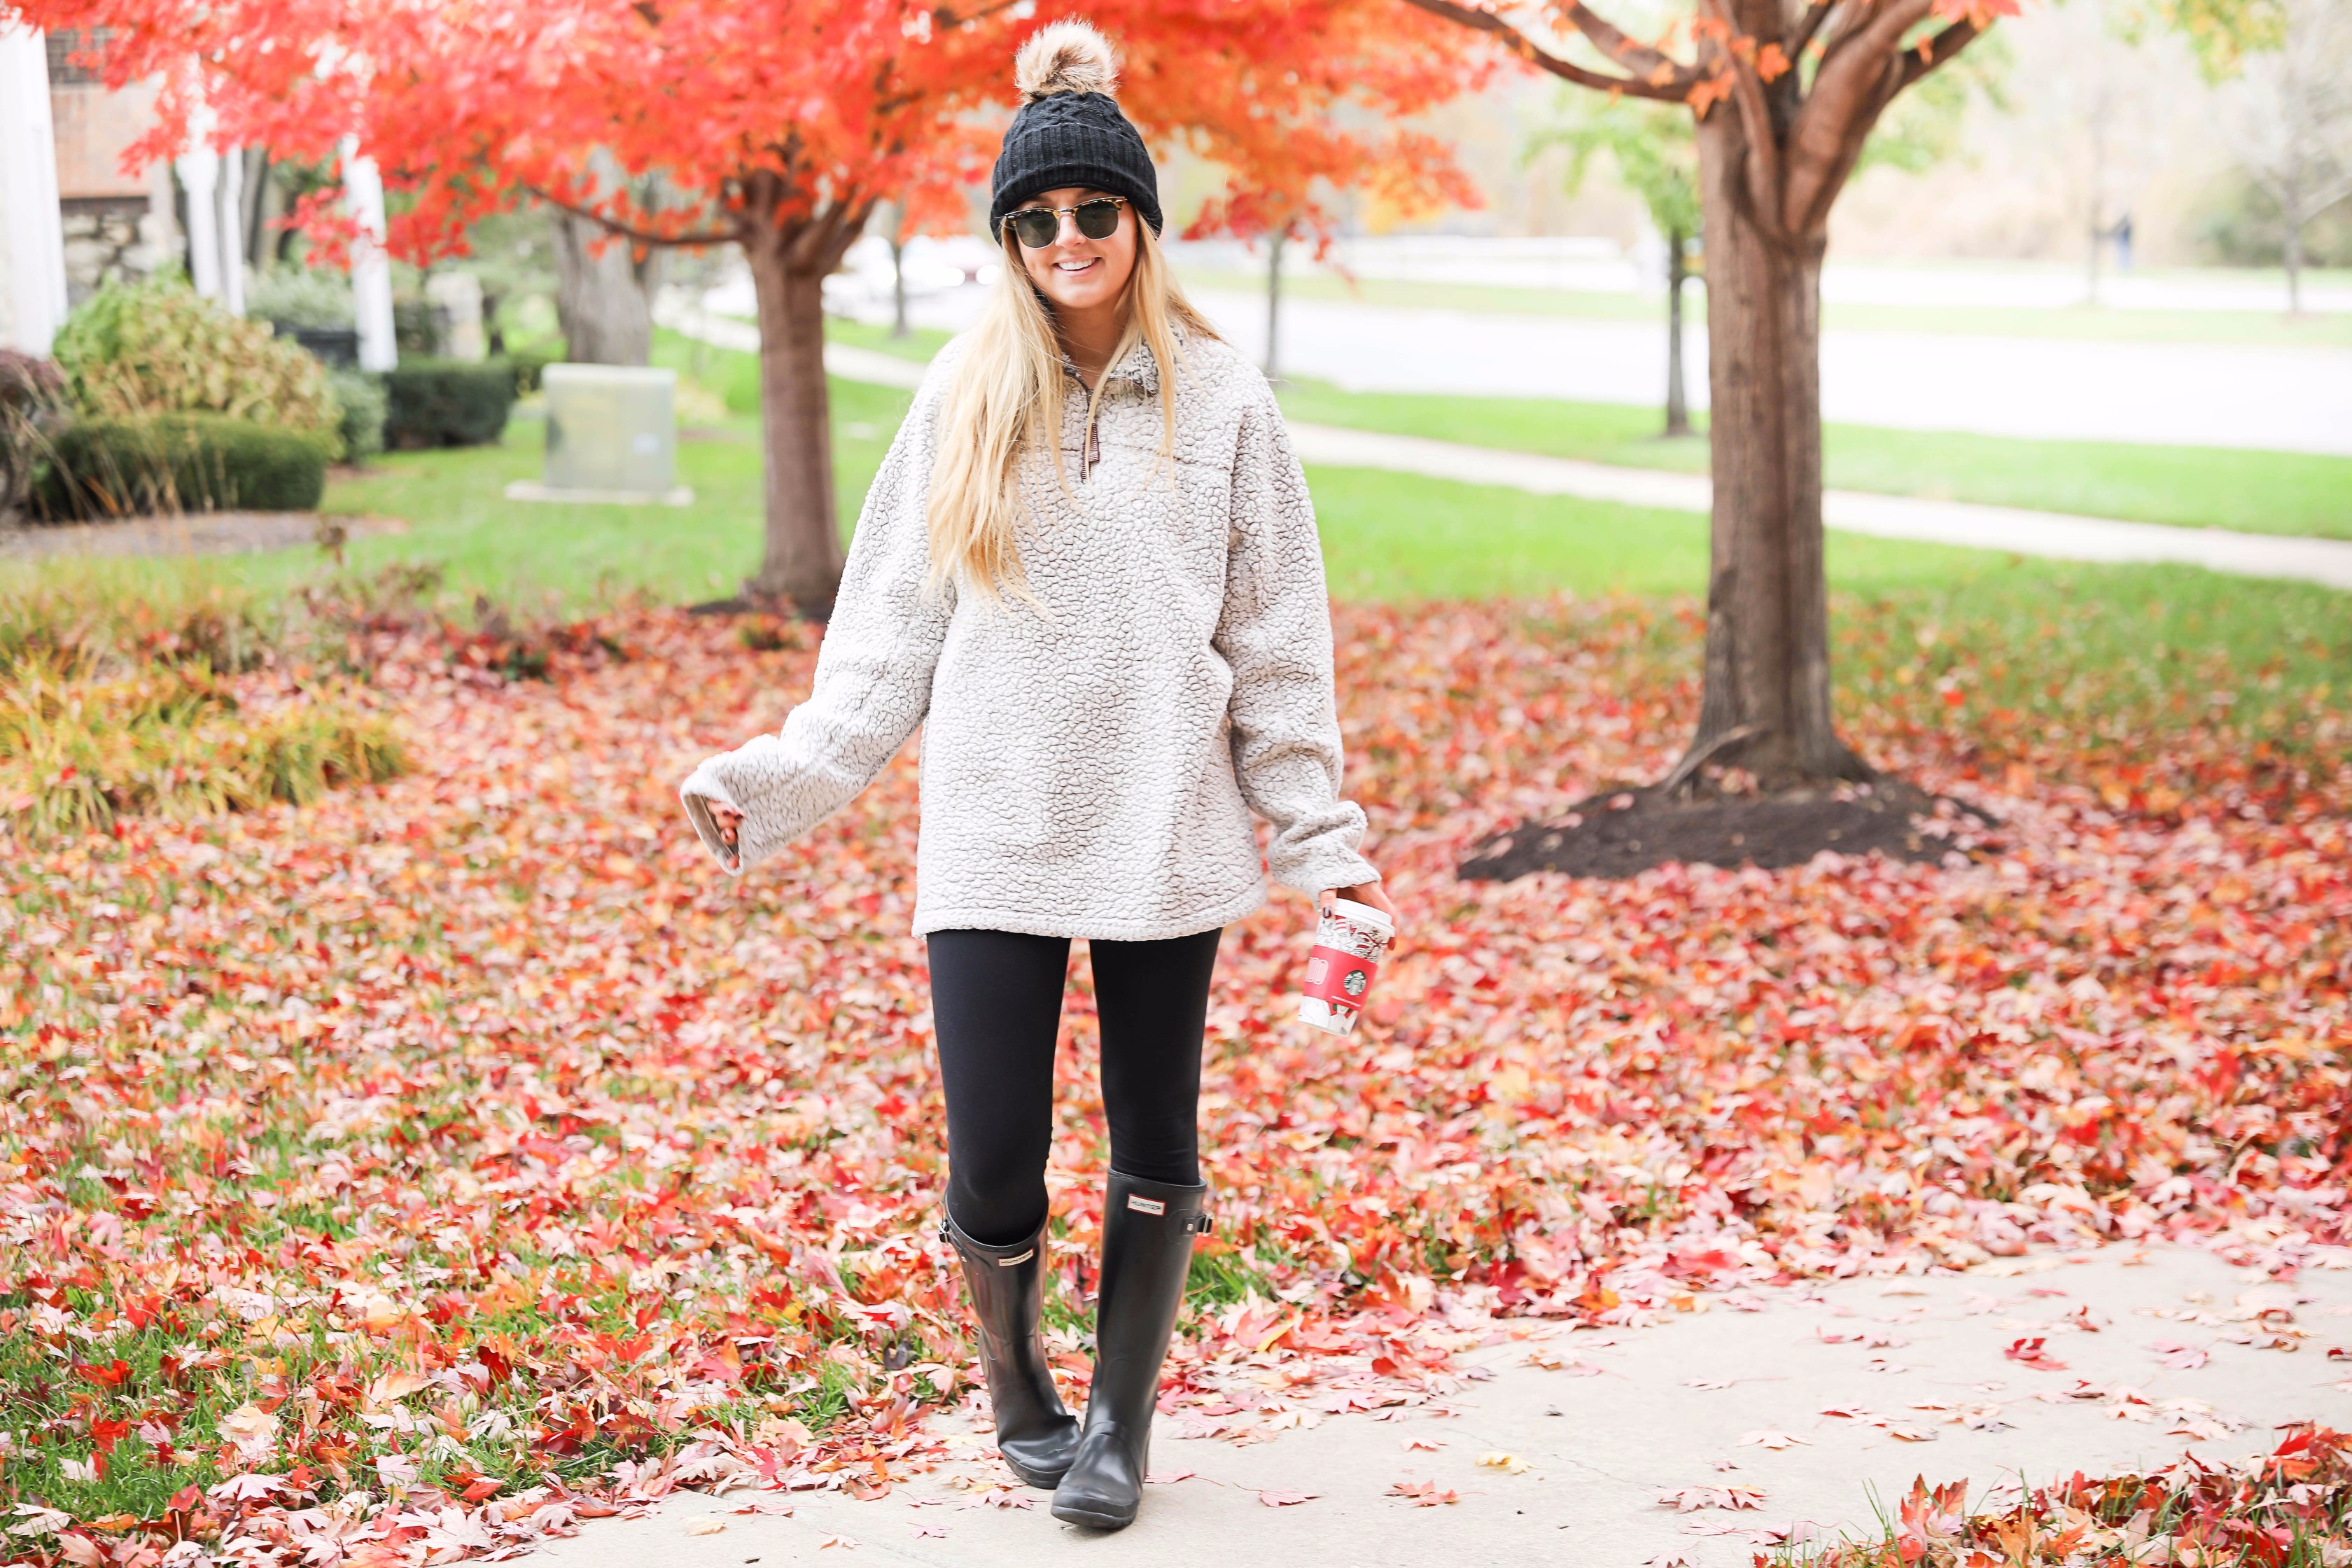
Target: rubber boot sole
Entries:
(1092, 1517)
(1044, 1481)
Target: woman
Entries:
(1089, 569)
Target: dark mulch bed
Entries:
(1624, 832)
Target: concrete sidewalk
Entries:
(2057, 535)
(1822, 1404)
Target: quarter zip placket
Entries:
(1090, 448)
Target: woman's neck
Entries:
(1090, 337)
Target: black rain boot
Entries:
(1147, 1230)
(1037, 1436)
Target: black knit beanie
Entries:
(1069, 129)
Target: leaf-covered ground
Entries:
(2291, 1507)
(413, 1171)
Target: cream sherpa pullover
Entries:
(1089, 771)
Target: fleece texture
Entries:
(1089, 764)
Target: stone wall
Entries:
(111, 237)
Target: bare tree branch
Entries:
(942, 18)
(1760, 167)
(1814, 184)
(1917, 62)
(1636, 57)
(1875, 30)
(1519, 44)
(1857, 80)
(630, 231)
(1807, 25)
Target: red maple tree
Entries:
(1785, 92)
(779, 126)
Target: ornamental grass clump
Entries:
(117, 704)
(172, 740)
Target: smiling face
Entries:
(1075, 274)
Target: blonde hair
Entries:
(1004, 411)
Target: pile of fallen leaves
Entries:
(422, 1168)
(2288, 1508)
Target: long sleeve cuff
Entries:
(701, 788)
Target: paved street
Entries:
(2013, 529)
(2210, 395)
(2264, 396)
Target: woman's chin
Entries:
(1082, 297)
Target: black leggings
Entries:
(996, 1007)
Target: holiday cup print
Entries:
(1349, 945)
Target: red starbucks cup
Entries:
(1349, 945)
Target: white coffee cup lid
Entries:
(1364, 915)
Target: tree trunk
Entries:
(1677, 274)
(603, 297)
(801, 563)
(898, 328)
(1767, 704)
(898, 287)
(2292, 215)
(1273, 303)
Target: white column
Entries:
(371, 269)
(200, 174)
(32, 241)
(232, 230)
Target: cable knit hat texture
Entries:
(1069, 129)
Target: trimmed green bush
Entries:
(133, 349)
(178, 462)
(291, 297)
(530, 367)
(364, 404)
(447, 403)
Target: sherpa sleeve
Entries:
(874, 671)
(1275, 635)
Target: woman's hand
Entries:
(727, 819)
(1368, 893)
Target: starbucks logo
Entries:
(1354, 985)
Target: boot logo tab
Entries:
(1012, 1262)
(1141, 1205)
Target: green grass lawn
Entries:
(2105, 645)
(2099, 322)
(2187, 487)
(2193, 487)
(2176, 631)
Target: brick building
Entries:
(115, 225)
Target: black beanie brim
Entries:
(1073, 138)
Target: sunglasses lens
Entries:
(1036, 230)
(1098, 219)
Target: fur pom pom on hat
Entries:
(1068, 57)
(1069, 129)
